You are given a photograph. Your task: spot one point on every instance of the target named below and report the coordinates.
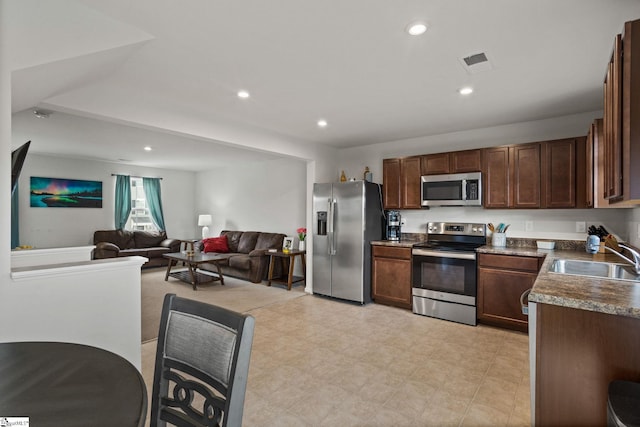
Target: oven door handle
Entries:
(444, 254)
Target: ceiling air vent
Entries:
(476, 63)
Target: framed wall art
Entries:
(65, 193)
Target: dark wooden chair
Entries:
(202, 364)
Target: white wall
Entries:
(61, 227)
(267, 196)
(95, 303)
(547, 223)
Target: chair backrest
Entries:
(202, 363)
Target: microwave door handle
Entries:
(464, 189)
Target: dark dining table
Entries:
(64, 384)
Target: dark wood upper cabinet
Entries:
(466, 161)
(434, 164)
(391, 183)
(511, 176)
(401, 178)
(620, 153)
(595, 169)
(559, 173)
(584, 173)
(631, 112)
(613, 124)
(452, 162)
(590, 160)
(524, 168)
(546, 174)
(495, 177)
(410, 182)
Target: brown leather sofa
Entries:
(249, 259)
(120, 243)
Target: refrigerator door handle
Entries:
(332, 207)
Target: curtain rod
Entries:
(135, 176)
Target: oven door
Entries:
(452, 272)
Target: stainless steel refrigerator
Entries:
(347, 216)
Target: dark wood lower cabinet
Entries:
(578, 353)
(502, 279)
(391, 283)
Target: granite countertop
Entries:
(618, 297)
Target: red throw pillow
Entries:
(216, 244)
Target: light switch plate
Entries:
(528, 226)
(581, 226)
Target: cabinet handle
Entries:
(524, 304)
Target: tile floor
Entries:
(321, 362)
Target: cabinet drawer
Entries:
(511, 262)
(391, 252)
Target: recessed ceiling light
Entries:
(243, 94)
(416, 28)
(322, 123)
(147, 148)
(466, 90)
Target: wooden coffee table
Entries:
(192, 262)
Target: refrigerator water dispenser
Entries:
(322, 223)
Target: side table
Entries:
(290, 279)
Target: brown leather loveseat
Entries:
(120, 243)
(248, 254)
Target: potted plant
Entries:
(302, 234)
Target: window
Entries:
(140, 217)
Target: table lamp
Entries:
(204, 221)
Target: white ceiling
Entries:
(347, 61)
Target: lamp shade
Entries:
(204, 220)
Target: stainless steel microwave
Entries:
(460, 189)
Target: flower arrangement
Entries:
(302, 233)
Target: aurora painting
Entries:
(65, 193)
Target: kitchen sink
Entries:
(607, 270)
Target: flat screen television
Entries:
(17, 160)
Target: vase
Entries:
(301, 246)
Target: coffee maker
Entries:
(393, 226)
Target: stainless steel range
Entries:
(444, 271)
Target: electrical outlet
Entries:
(581, 226)
(403, 221)
(528, 226)
(638, 231)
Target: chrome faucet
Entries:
(634, 253)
